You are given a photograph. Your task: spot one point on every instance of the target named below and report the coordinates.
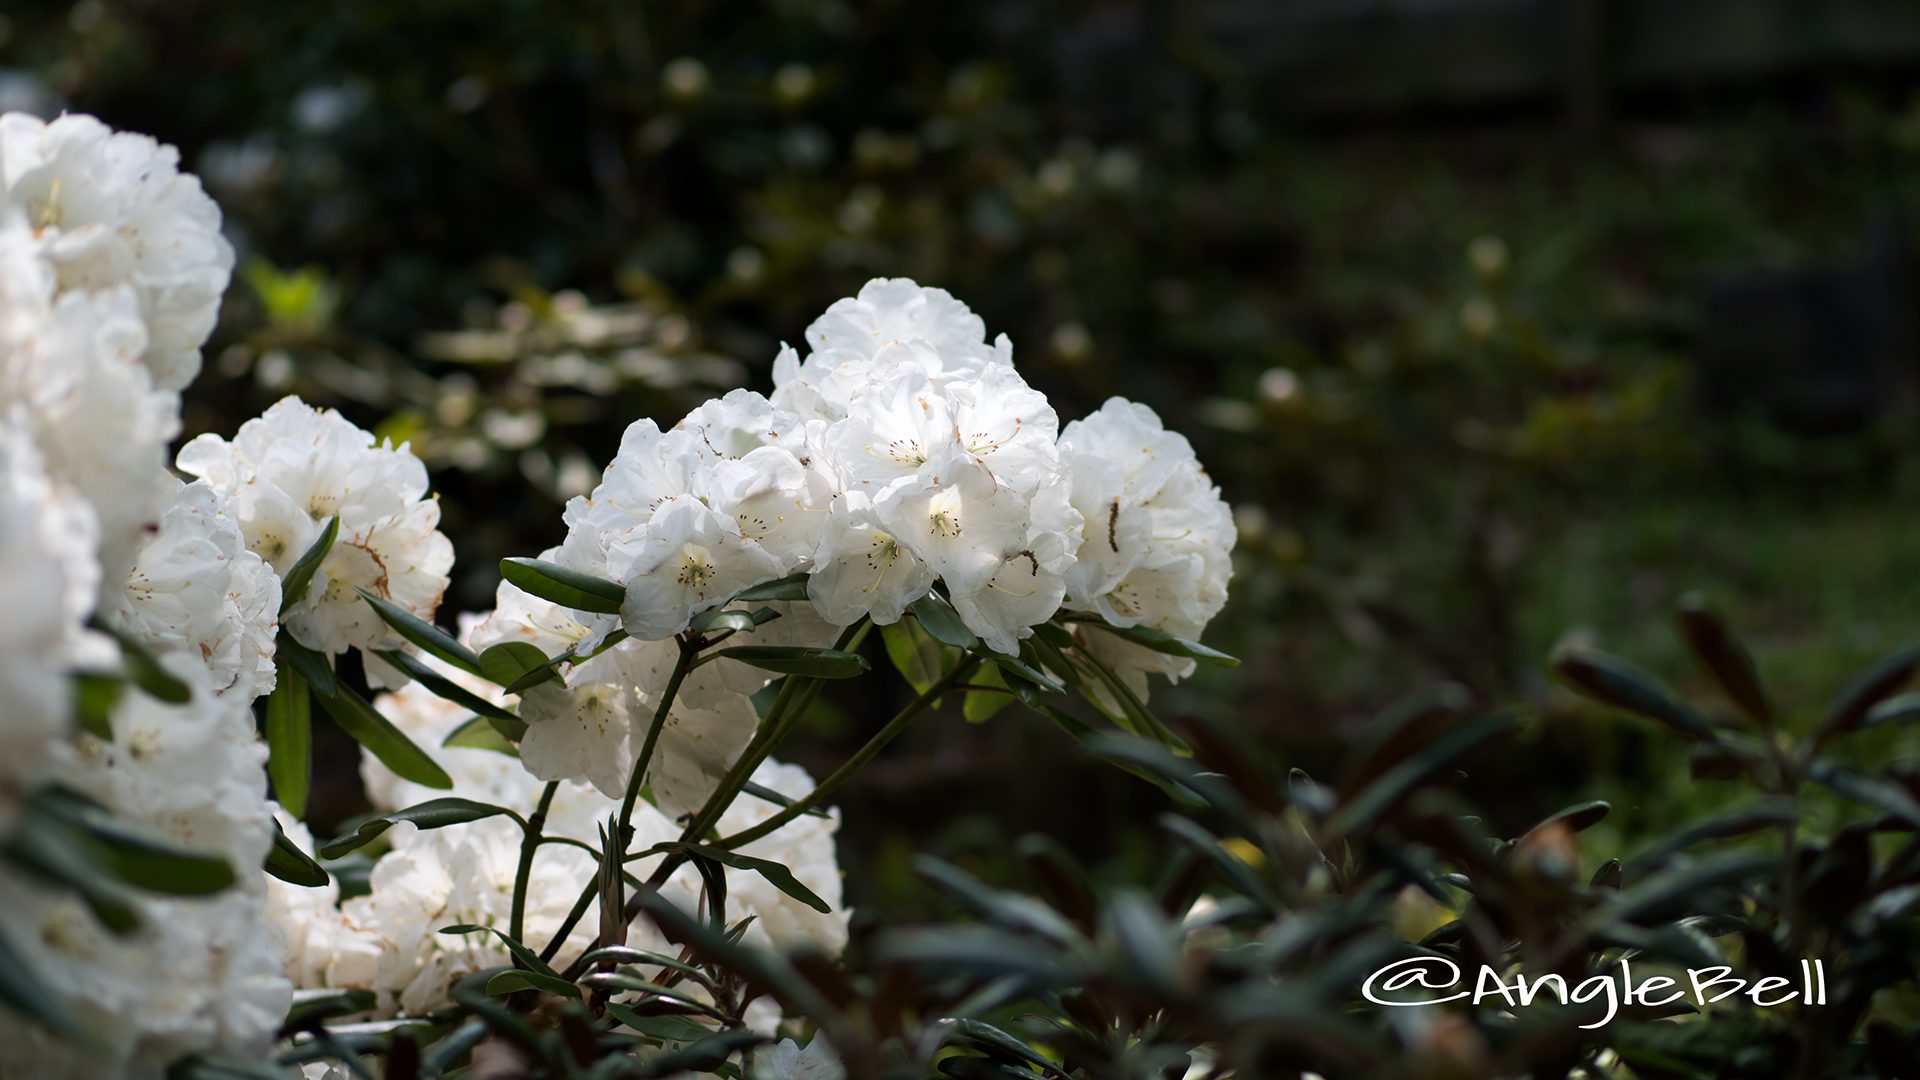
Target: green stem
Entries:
(529, 843)
(860, 758)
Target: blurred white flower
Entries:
(114, 209)
(196, 589)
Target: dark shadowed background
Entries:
(1501, 322)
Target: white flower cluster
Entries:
(111, 271)
(902, 452)
(295, 468)
(387, 940)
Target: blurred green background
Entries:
(1500, 323)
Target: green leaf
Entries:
(288, 728)
(149, 862)
(1577, 818)
(446, 689)
(942, 623)
(979, 706)
(144, 669)
(309, 1009)
(665, 1028)
(1027, 672)
(486, 733)
(287, 862)
(916, 656)
(293, 586)
(704, 1056)
(718, 620)
(1615, 682)
(313, 666)
(507, 663)
(1724, 657)
(1903, 709)
(1876, 684)
(54, 851)
(520, 952)
(812, 662)
(1162, 642)
(432, 814)
(22, 990)
(428, 637)
(383, 740)
(1867, 790)
(792, 587)
(777, 875)
(1007, 910)
(1398, 782)
(508, 982)
(767, 794)
(568, 588)
(1144, 944)
(95, 696)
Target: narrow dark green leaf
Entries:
(1145, 945)
(287, 862)
(1161, 642)
(1007, 910)
(767, 794)
(144, 669)
(23, 991)
(568, 588)
(54, 851)
(383, 740)
(663, 1028)
(777, 875)
(1614, 682)
(149, 862)
(507, 663)
(520, 952)
(704, 1056)
(1867, 790)
(508, 982)
(1396, 783)
(446, 689)
(942, 623)
(1210, 848)
(792, 587)
(424, 634)
(293, 586)
(95, 696)
(816, 663)
(488, 733)
(1578, 818)
(1902, 709)
(717, 620)
(288, 729)
(310, 1008)
(1026, 671)
(1877, 683)
(432, 814)
(1725, 658)
(313, 666)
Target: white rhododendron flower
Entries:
(788, 1060)
(1158, 549)
(689, 558)
(292, 469)
(111, 208)
(200, 974)
(69, 361)
(48, 580)
(388, 941)
(196, 589)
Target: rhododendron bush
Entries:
(576, 795)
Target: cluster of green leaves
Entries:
(1281, 893)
